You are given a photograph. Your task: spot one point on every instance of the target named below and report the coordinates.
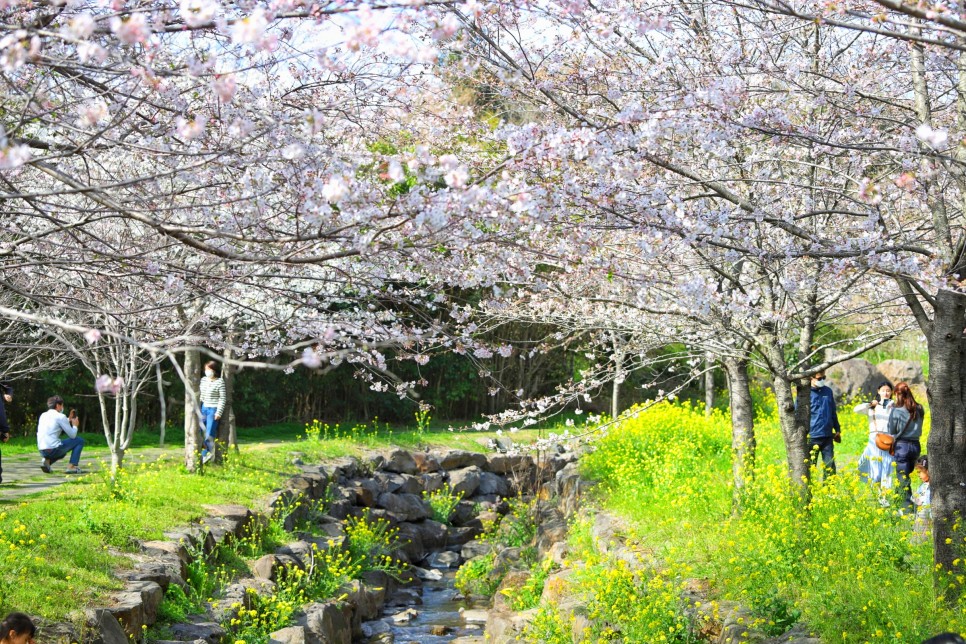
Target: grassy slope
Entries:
(850, 568)
(56, 548)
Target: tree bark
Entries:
(227, 434)
(709, 385)
(794, 427)
(947, 438)
(743, 442)
(615, 400)
(163, 402)
(192, 419)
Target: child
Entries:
(922, 499)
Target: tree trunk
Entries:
(226, 428)
(794, 432)
(709, 385)
(163, 402)
(615, 401)
(743, 442)
(947, 438)
(192, 419)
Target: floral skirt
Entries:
(875, 465)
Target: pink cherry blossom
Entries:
(132, 29)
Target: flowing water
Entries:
(443, 609)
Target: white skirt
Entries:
(875, 465)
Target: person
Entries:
(49, 427)
(824, 425)
(905, 423)
(212, 406)
(923, 500)
(945, 638)
(7, 397)
(17, 628)
(875, 465)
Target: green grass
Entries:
(849, 568)
(57, 547)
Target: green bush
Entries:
(475, 577)
(443, 502)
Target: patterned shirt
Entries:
(213, 394)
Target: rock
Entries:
(290, 635)
(366, 491)
(406, 616)
(378, 579)
(266, 567)
(374, 462)
(506, 463)
(551, 527)
(411, 485)
(400, 461)
(106, 626)
(65, 632)
(465, 481)
(340, 509)
(432, 533)
(444, 559)
(907, 371)
(855, 378)
(558, 553)
(428, 575)
(476, 549)
(388, 481)
(457, 458)
(128, 609)
(346, 467)
(378, 627)
(464, 512)
(410, 542)
(362, 600)
(503, 626)
(327, 623)
(473, 615)
(469, 639)
(556, 587)
(511, 581)
(207, 631)
(491, 483)
(461, 535)
(151, 597)
(739, 626)
(406, 507)
(431, 481)
(375, 514)
(505, 559)
(406, 597)
(426, 462)
(438, 630)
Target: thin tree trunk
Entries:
(743, 443)
(708, 385)
(192, 419)
(615, 402)
(227, 434)
(163, 402)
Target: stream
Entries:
(443, 617)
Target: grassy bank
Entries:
(848, 567)
(59, 547)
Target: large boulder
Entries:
(457, 458)
(907, 371)
(405, 507)
(464, 482)
(854, 379)
(327, 623)
(400, 461)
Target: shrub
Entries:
(371, 543)
(443, 502)
(475, 577)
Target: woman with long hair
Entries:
(17, 628)
(905, 423)
(875, 465)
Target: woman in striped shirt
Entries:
(212, 406)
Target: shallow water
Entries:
(439, 608)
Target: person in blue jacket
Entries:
(824, 429)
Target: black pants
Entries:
(826, 448)
(906, 455)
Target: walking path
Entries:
(22, 474)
